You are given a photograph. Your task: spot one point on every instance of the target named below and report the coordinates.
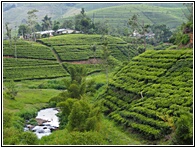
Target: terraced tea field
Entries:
(51, 57)
(152, 92)
(77, 47)
(118, 16)
(23, 69)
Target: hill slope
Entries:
(152, 92)
(29, 61)
(115, 13)
(118, 16)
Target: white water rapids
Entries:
(50, 123)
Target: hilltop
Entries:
(16, 13)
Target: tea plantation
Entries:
(76, 47)
(30, 60)
(33, 61)
(26, 49)
(23, 69)
(152, 92)
(145, 98)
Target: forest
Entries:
(115, 74)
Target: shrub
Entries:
(185, 39)
(28, 138)
(11, 136)
(7, 116)
(86, 138)
(78, 116)
(28, 114)
(184, 130)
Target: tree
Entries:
(105, 58)
(184, 33)
(138, 26)
(38, 27)
(23, 29)
(11, 90)
(55, 25)
(46, 23)
(83, 117)
(68, 24)
(83, 22)
(66, 108)
(32, 17)
(8, 33)
(102, 27)
(162, 33)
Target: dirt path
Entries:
(56, 55)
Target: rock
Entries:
(40, 131)
(40, 121)
(44, 127)
(30, 126)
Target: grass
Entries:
(28, 101)
(108, 134)
(28, 98)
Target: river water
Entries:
(48, 121)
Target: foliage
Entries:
(83, 22)
(51, 84)
(46, 23)
(151, 92)
(11, 136)
(8, 33)
(105, 57)
(11, 90)
(184, 130)
(28, 138)
(28, 114)
(30, 68)
(23, 29)
(7, 116)
(162, 33)
(182, 35)
(27, 49)
(32, 17)
(185, 39)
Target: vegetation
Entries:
(151, 90)
(183, 36)
(109, 90)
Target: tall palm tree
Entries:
(46, 23)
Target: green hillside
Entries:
(119, 15)
(77, 47)
(26, 49)
(32, 61)
(152, 92)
